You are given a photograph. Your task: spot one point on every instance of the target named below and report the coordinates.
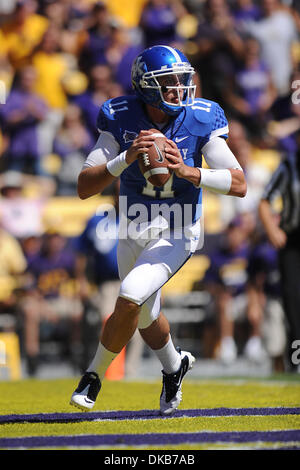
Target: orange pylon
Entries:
(116, 370)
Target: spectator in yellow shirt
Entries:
(51, 67)
(12, 266)
(24, 31)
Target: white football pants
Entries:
(146, 265)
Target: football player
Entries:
(155, 242)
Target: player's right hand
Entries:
(140, 144)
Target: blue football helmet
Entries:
(159, 69)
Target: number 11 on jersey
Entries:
(163, 193)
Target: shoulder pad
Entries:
(117, 108)
(203, 110)
(111, 107)
(110, 111)
(204, 117)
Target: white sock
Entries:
(102, 360)
(169, 357)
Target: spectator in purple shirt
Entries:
(219, 48)
(227, 281)
(250, 93)
(53, 265)
(100, 89)
(245, 10)
(158, 22)
(23, 111)
(72, 143)
(51, 299)
(98, 36)
(120, 54)
(266, 292)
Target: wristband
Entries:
(117, 165)
(218, 181)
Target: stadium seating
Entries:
(69, 214)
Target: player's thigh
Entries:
(154, 266)
(127, 254)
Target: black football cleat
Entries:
(171, 394)
(84, 397)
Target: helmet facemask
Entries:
(164, 82)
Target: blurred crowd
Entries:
(59, 61)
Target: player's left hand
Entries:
(176, 164)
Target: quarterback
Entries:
(150, 255)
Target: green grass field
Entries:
(214, 414)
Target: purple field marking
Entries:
(150, 439)
(144, 414)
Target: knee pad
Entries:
(143, 281)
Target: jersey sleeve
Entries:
(107, 146)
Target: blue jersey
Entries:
(125, 117)
(99, 242)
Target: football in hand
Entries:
(154, 164)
